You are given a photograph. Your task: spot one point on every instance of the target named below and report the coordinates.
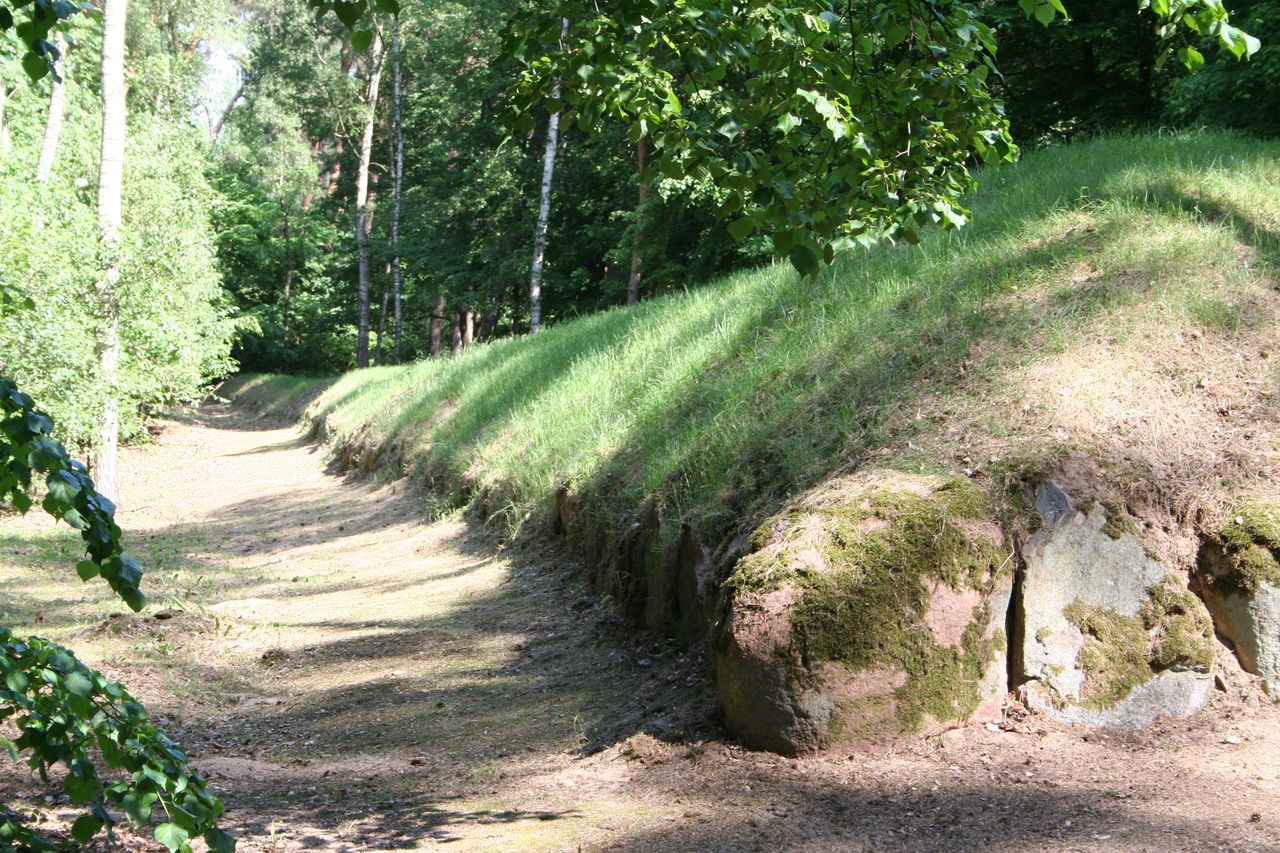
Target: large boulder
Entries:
(1109, 636)
(1240, 581)
(873, 608)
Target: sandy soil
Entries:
(352, 678)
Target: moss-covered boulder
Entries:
(1109, 636)
(1240, 581)
(873, 608)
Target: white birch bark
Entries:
(397, 188)
(53, 121)
(544, 208)
(363, 223)
(110, 186)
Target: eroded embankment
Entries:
(1103, 333)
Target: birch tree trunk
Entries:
(110, 185)
(544, 207)
(53, 122)
(397, 187)
(362, 198)
(382, 326)
(637, 256)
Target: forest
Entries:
(528, 424)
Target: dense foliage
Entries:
(176, 327)
(469, 204)
(1103, 73)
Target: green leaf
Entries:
(138, 807)
(81, 789)
(349, 13)
(741, 229)
(805, 260)
(87, 569)
(219, 841)
(78, 683)
(391, 7)
(35, 65)
(85, 827)
(361, 39)
(63, 486)
(1191, 58)
(172, 836)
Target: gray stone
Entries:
(1251, 622)
(1109, 637)
(803, 661)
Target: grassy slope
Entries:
(1007, 344)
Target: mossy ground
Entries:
(1250, 541)
(883, 548)
(1171, 632)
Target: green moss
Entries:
(1182, 629)
(1118, 521)
(1171, 632)
(884, 549)
(1114, 655)
(1250, 542)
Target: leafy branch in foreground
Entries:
(66, 713)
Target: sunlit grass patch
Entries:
(1090, 267)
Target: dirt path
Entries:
(352, 678)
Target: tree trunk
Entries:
(288, 283)
(332, 174)
(637, 257)
(489, 321)
(468, 326)
(437, 320)
(110, 185)
(53, 122)
(544, 206)
(455, 344)
(216, 130)
(363, 222)
(398, 186)
(382, 327)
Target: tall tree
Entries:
(110, 187)
(544, 205)
(363, 222)
(437, 321)
(637, 256)
(398, 185)
(53, 121)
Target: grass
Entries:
(1003, 341)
